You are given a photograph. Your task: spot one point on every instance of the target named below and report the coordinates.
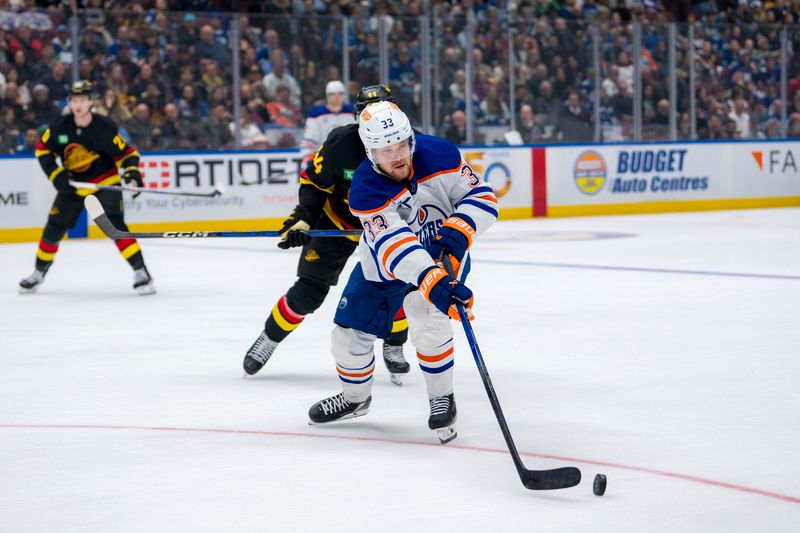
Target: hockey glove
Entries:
(61, 180)
(132, 176)
(293, 231)
(454, 239)
(444, 291)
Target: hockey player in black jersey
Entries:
(90, 150)
(324, 187)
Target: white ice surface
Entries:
(128, 413)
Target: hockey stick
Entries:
(101, 219)
(218, 190)
(556, 478)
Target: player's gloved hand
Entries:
(61, 181)
(132, 176)
(293, 231)
(454, 239)
(444, 291)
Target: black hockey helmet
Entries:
(81, 87)
(372, 94)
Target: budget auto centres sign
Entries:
(674, 172)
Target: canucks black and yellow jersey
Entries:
(325, 183)
(93, 154)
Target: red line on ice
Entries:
(664, 473)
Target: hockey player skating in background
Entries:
(417, 200)
(323, 119)
(91, 150)
(324, 187)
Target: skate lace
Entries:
(334, 404)
(393, 353)
(259, 351)
(440, 405)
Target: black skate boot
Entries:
(395, 363)
(337, 408)
(142, 282)
(443, 417)
(32, 282)
(259, 353)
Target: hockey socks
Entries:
(282, 321)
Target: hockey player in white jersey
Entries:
(417, 200)
(324, 119)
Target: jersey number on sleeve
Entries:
(379, 223)
(119, 142)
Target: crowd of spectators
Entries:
(163, 69)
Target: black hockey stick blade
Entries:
(557, 478)
(101, 219)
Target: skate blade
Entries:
(345, 417)
(23, 290)
(446, 434)
(146, 289)
(397, 379)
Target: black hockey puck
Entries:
(599, 485)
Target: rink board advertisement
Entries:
(260, 190)
(619, 179)
(261, 187)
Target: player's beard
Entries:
(398, 170)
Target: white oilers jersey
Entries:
(401, 219)
(320, 122)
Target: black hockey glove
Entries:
(293, 231)
(132, 176)
(61, 181)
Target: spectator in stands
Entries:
(45, 62)
(62, 43)
(211, 79)
(56, 81)
(527, 127)
(794, 126)
(741, 118)
(574, 123)
(29, 141)
(188, 34)
(110, 106)
(11, 99)
(9, 131)
(546, 106)
(23, 65)
(494, 110)
(456, 131)
(279, 77)
(42, 105)
(190, 106)
(210, 48)
(282, 110)
(217, 129)
(248, 129)
(140, 128)
(174, 130)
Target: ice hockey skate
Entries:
(396, 364)
(32, 282)
(337, 408)
(142, 282)
(443, 417)
(258, 354)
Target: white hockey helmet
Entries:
(334, 86)
(386, 133)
